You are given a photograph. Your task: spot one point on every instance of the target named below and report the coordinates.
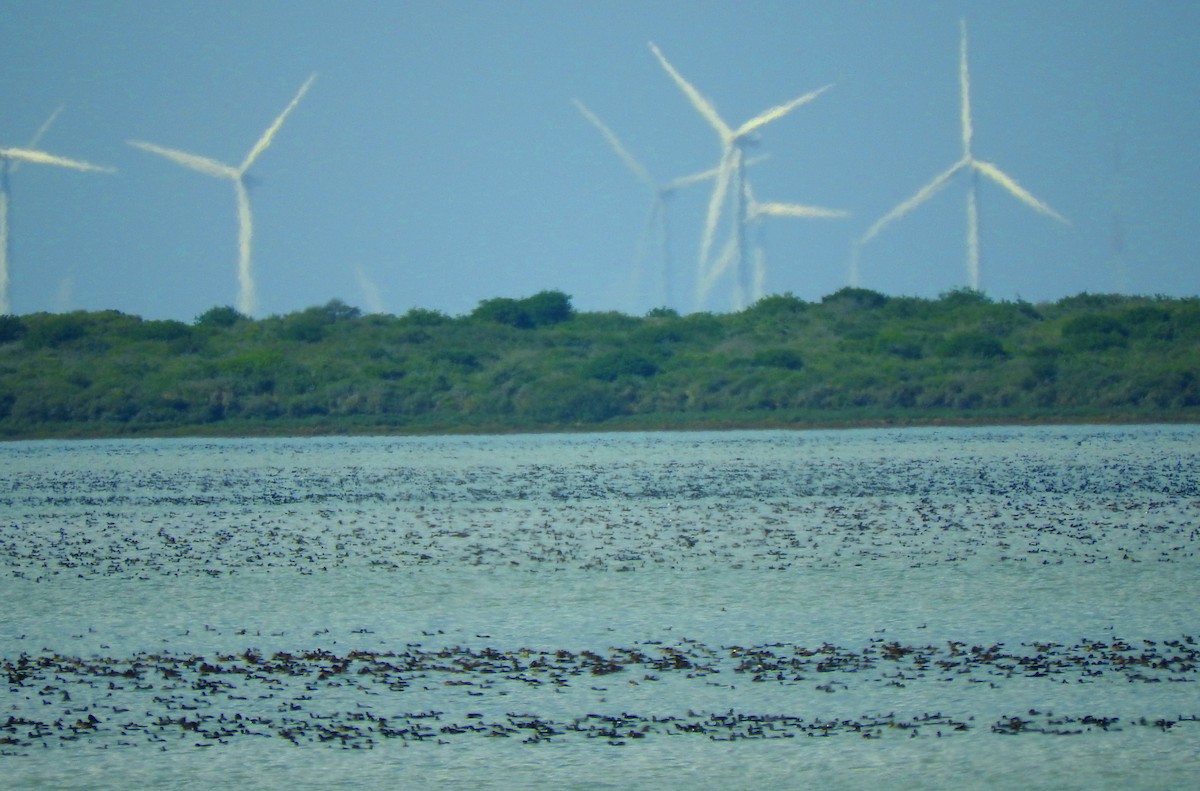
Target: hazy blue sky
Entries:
(438, 159)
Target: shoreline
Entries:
(631, 424)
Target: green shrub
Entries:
(55, 330)
(304, 327)
(11, 328)
(541, 310)
(1149, 321)
(972, 344)
(503, 310)
(546, 308)
(458, 357)
(420, 317)
(856, 298)
(1094, 332)
(778, 306)
(220, 317)
(562, 399)
(899, 345)
(524, 363)
(1090, 302)
(788, 359)
(166, 330)
(622, 362)
(964, 298)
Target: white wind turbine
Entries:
(657, 224)
(731, 172)
(10, 160)
(755, 212)
(967, 162)
(211, 167)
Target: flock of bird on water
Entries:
(731, 187)
(373, 679)
(355, 699)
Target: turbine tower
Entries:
(731, 172)
(974, 167)
(246, 297)
(755, 212)
(10, 160)
(657, 224)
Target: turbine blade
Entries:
(702, 105)
(37, 136)
(751, 202)
(268, 135)
(205, 165)
(964, 81)
(42, 158)
(13, 165)
(1006, 181)
(719, 268)
(687, 181)
(705, 175)
(776, 209)
(716, 203)
(922, 195)
(370, 292)
(777, 112)
(630, 161)
(246, 295)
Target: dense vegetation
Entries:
(855, 357)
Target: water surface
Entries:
(918, 607)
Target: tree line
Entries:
(855, 357)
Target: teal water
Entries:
(712, 609)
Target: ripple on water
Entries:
(629, 607)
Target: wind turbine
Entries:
(657, 224)
(968, 162)
(10, 160)
(731, 172)
(211, 167)
(756, 210)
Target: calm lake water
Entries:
(990, 607)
